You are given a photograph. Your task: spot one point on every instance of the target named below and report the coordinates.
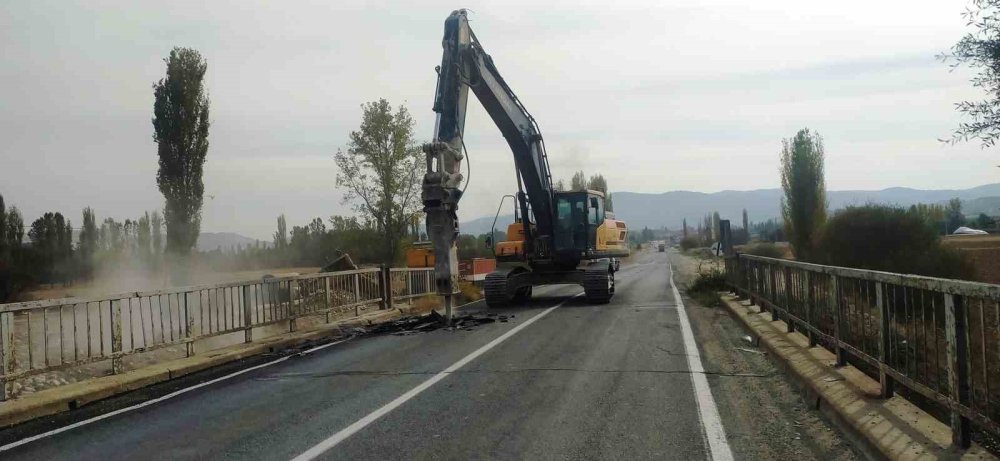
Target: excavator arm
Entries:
(464, 65)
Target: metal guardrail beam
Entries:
(935, 337)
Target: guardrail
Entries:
(43, 336)
(938, 338)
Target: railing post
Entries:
(789, 299)
(835, 308)
(430, 282)
(772, 295)
(326, 289)
(386, 277)
(884, 335)
(357, 294)
(744, 278)
(189, 321)
(958, 376)
(117, 366)
(247, 315)
(753, 285)
(291, 309)
(6, 353)
(807, 305)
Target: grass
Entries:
(706, 287)
(768, 250)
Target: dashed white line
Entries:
(348, 431)
(711, 424)
(169, 396)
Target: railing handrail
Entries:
(55, 302)
(951, 286)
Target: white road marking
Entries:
(714, 433)
(348, 431)
(169, 396)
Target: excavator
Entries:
(558, 237)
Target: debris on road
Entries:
(434, 321)
(752, 351)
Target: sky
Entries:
(657, 96)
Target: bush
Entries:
(705, 289)
(767, 250)
(886, 238)
(690, 242)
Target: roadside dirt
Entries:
(751, 391)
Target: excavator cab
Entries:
(578, 215)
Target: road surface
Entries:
(561, 380)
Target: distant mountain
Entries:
(482, 225)
(670, 208)
(988, 205)
(208, 241)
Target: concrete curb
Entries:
(71, 396)
(892, 428)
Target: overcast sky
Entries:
(657, 96)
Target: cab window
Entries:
(596, 210)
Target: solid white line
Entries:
(169, 396)
(348, 431)
(714, 433)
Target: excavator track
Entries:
(599, 286)
(495, 289)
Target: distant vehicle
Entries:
(662, 247)
(969, 231)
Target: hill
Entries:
(670, 208)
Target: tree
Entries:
(685, 228)
(978, 50)
(746, 221)
(87, 242)
(953, 215)
(646, 235)
(578, 182)
(597, 182)
(15, 228)
(49, 238)
(560, 185)
(804, 204)
(156, 228)
(3, 231)
(180, 129)
(281, 235)
(380, 168)
(112, 236)
(143, 236)
(887, 238)
(983, 221)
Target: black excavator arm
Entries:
(464, 65)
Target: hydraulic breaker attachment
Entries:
(440, 196)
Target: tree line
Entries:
(873, 236)
(51, 254)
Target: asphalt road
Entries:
(562, 380)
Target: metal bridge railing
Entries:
(938, 338)
(43, 336)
